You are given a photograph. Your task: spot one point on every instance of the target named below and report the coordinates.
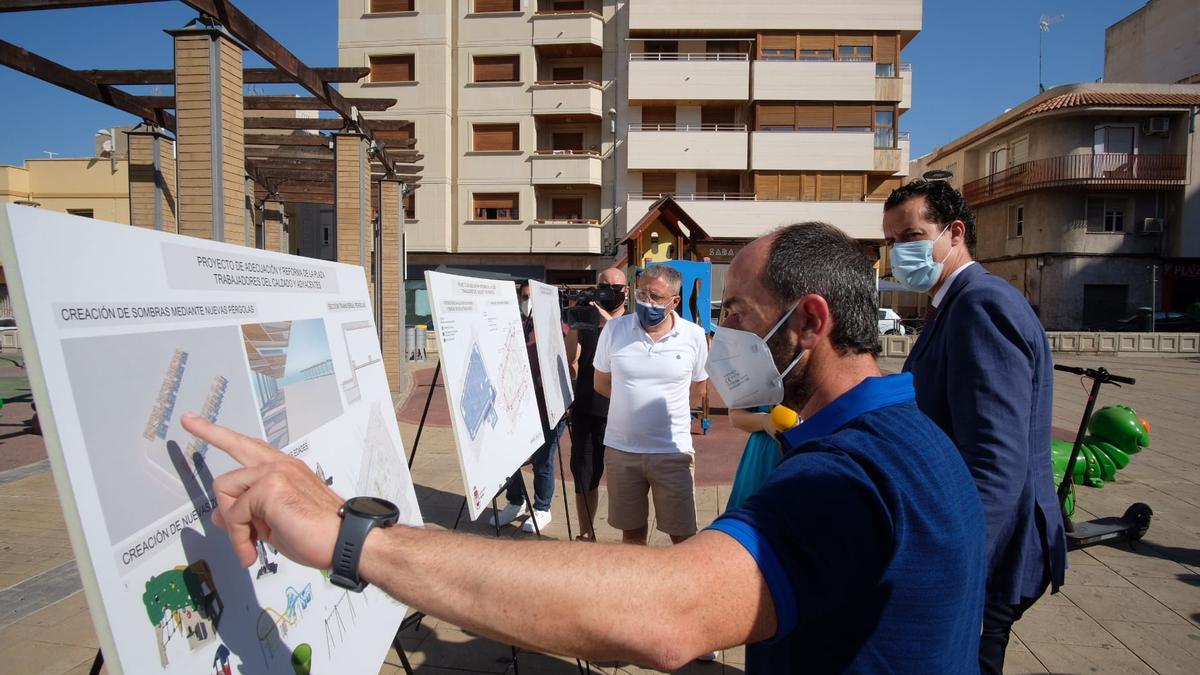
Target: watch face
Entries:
(372, 507)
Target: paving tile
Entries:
(1167, 649)
(28, 656)
(1121, 604)
(1094, 575)
(1061, 658)
(1018, 658)
(1145, 562)
(1181, 594)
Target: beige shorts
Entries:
(668, 477)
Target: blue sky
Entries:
(971, 61)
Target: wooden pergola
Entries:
(235, 163)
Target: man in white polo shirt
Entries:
(651, 366)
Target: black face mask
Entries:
(610, 304)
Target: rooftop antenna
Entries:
(51, 154)
(1044, 27)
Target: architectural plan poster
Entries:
(489, 385)
(126, 329)
(551, 350)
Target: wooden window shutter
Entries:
(498, 68)
(482, 6)
(853, 115)
(779, 42)
(856, 40)
(816, 116)
(394, 68)
(880, 187)
(852, 187)
(568, 141)
(766, 186)
(496, 137)
(789, 186)
(496, 200)
(724, 183)
(658, 114)
(568, 74)
(566, 208)
(381, 6)
(808, 187)
(775, 115)
(658, 183)
(829, 187)
(886, 47)
(815, 41)
(714, 114)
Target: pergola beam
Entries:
(323, 124)
(44, 69)
(23, 5)
(315, 140)
(249, 75)
(281, 103)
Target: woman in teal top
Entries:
(759, 457)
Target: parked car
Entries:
(1164, 322)
(890, 323)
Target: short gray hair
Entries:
(665, 273)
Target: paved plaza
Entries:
(1123, 610)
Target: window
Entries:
(658, 183)
(568, 140)
(1113, 139)
(1016, 221)
(484, 6)
(816, 54)
(885, 128)
(1106, 214)
(570, 5)
(325, 235)
(815, 117)
(658, 114)
(566, 208)
(383, 6)
(82, 213)
(662, 47)
(723, 183)
(808, 186)
(721, 46)
(779, 54)
(497, 68)
(857, 52)
(496, 137)
(716, 114)
(573, 74)
(410, 206)
(394, 68)
(496, 206)
(885, 70)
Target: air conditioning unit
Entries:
(1157, 125)
(1152, 226)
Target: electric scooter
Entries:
(1136, 520)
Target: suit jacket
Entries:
(983, 372)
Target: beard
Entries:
(797, 388)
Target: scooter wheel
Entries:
(1140, 514)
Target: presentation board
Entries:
(125, 329)
(489, 384)
(551, 350)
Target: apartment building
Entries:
(1158, 44)
(1086, 199)
(548, 127)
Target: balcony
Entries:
(894, 160)
(812, 150)
(898, 89)
(565, 235)
(825, 80)
(714, 147)
(568, 33)
(744, 216)
(683, 15)
(565, 100)
(566, 167)
(1113, 170)
(689, 77)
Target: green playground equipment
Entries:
(1103, 446)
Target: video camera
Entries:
(577, 309)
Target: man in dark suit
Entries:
(982, 371)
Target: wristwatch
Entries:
(359, 515)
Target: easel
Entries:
(415, 618)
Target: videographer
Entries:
(589, 413)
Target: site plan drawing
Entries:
(118, 353)
(489, 384)
(551, 350)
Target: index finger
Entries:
(247, 451)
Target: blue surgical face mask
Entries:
(913, 264)
(650, 315)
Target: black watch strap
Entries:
(348, 550)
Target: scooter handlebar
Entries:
(1101, 374)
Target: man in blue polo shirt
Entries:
(862, 553)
